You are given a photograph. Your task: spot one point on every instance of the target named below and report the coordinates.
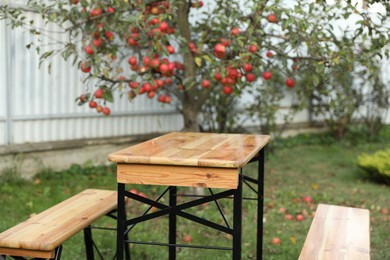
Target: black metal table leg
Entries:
(88, 243)
(260, 204)
(237, 220)
(121, 222)
(172, 223)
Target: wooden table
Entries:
(204, 160)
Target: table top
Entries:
(194, 149)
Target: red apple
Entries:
(206, 83)
(272, 18)
(225, 42)
(154, 63)
(252, 48)
(85, 68)
(132, 42)
(247, 67)
(290, 82)
(75, 2)
(161, 98)
(146, 61)
(282, 210)
(92, 104)
(179, 65)
(218, 76)
(168, 99)
(267, 75)
(197, 4)
(106, 111)
(227, 90)
(159, 83)
(99, 109)
(170, 49)
(146, 87)
(235, 31)
(111, 10)
(97, 42)
(250, 77)
(299, 217)
(132, 61)
(219, 50)
(96, 12)
(164, 69)
(187, 238)
(134, 191)
(99, 93)
(307, 199)
(269, 54)
(163, 26)
(192, 47)
(289, 217)
(151, 94)
(133, 84)
(276, 241)
(89, 50)
(109, 35)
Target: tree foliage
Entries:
(192, 53)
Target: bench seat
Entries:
(338, 233)
(40, 235)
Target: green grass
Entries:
(297, 167)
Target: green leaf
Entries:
(108, 96)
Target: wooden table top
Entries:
(194, 149)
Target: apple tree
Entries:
(188, 52)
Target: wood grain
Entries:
(338, 233)
(188, 176)
(194, 149)
(27, 253)
(49, 229)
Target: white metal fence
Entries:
(36, 106)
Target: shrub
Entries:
(377, 165)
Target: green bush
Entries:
(377, 165)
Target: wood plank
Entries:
(187, 176)
(338, 233)
(27, 253)
(194, 149)
(49, 229)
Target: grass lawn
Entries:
(298, 167)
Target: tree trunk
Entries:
(191, 118)
(191, 101)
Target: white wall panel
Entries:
(3, 83)
(43, 106)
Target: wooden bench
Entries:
(338, 233)
(42, 235)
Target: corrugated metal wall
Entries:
(36, 106)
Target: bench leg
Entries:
(260, 204)
(88, 243)
(237, 220)
(172, 223)
(121, 222)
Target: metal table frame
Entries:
(173, 210)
